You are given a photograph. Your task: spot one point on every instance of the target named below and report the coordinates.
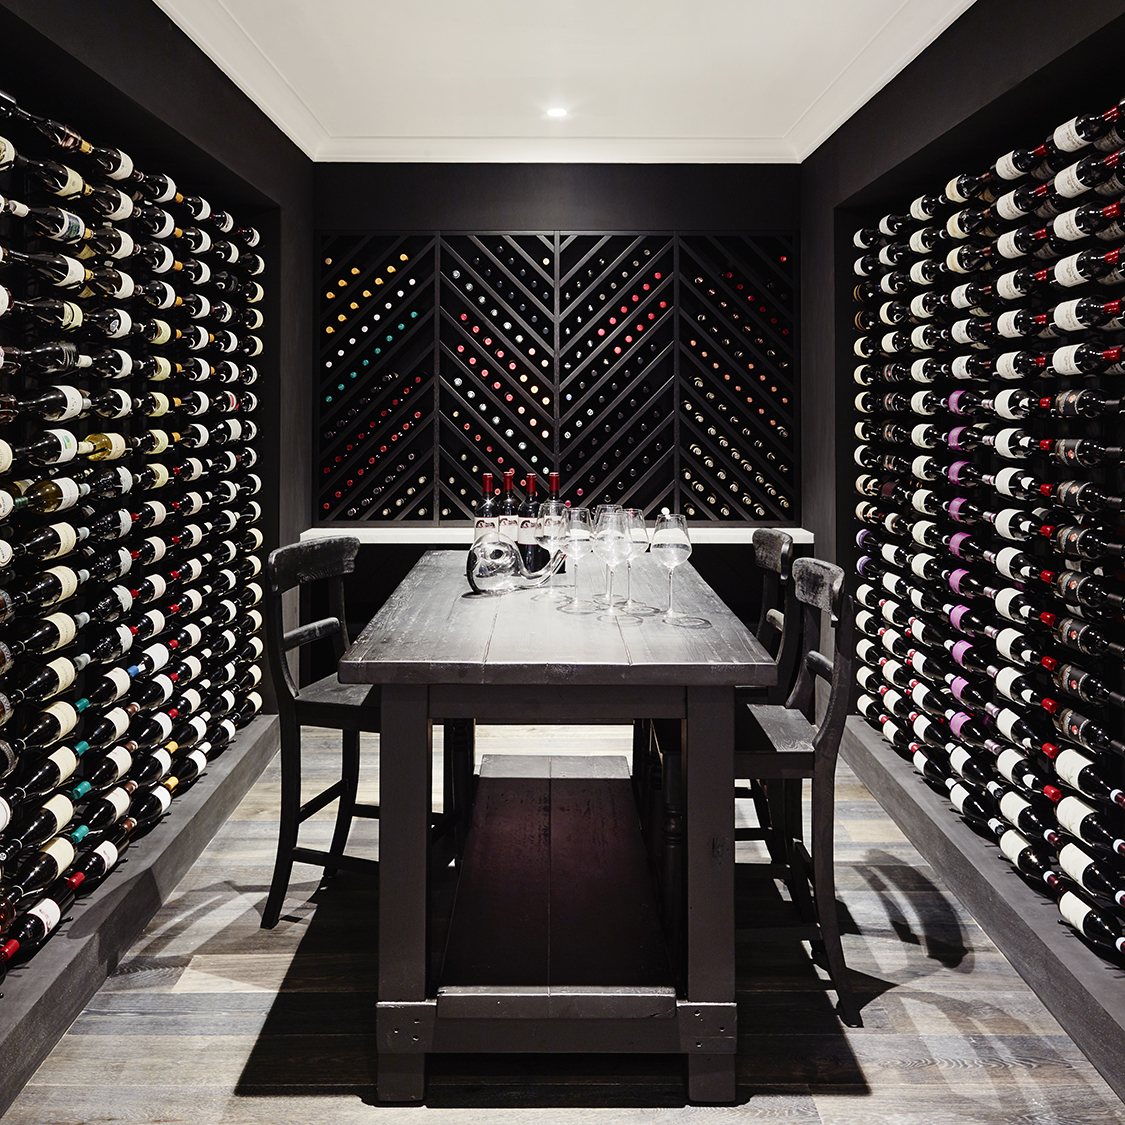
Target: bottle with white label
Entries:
(34, 926)
(1024, 856)
(98, 860)
(1096, 925)
(1097, 878)
(35, 825)
(1086, 173)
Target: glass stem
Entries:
(671, 573)
(629, 582)
(609, 590)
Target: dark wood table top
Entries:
(432, 630)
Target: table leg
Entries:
(405, 768)
(460, 747)
(708, 772)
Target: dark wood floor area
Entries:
(212, 1020)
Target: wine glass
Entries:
(550, 534)
(670, 544)
(603, 598)
(638, 544)
(611, 546)
(577, 529)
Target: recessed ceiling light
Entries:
(558, 111)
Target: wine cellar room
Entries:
(753, 343)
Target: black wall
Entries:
(578, 197)
(1006, 69)
(1004, 74)
(121, 72)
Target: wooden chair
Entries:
(657, 744)
(779, 630)
(778, 621)
(349, 708)
(779, 744)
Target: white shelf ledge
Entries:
(463, 536)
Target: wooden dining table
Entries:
(441, 653)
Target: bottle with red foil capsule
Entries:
(33, 927)
(1081, 773)
(534, 556)
(1085, 822)
(1020, 811)
(1076, 588)
(508, 515)
(97, 861)
(486, 524)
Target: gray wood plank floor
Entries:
(212, 1020)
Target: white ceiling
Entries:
(696, 81)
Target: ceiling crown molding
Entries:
(210, 25)
(315, 64)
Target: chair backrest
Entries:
(820, 588)
(777, 626)
(299, 564)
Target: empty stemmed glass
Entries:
(611, 546)
(603, 598)
(579, 542)
(670, 544)
(638, 544)
(550, 534)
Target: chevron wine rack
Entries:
(650, 369)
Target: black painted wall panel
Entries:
(1006, 68)
(590, 197)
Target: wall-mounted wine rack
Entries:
(653, 370)
(989, 429)
(129, 559)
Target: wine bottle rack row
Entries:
(129, 572)
(988, 355)
(651, 370)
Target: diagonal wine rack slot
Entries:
(738, 377)
(727, 469)
(652, 370)
(376, 379)
(497, 398)
(616, 359)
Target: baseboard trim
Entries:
(42, 998)
(1085, 993)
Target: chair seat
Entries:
(776, 740)
(329, 703)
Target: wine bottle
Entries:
(508, 516)
(97, 861)
(1093, 924)
(33, 927)
(35, 826)
(1018, 810)
(1024, 856)
(1089, 874)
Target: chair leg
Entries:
(288, 823)
(773, 834)
(349, 772)
(824, 890)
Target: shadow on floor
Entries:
(319, 1036)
